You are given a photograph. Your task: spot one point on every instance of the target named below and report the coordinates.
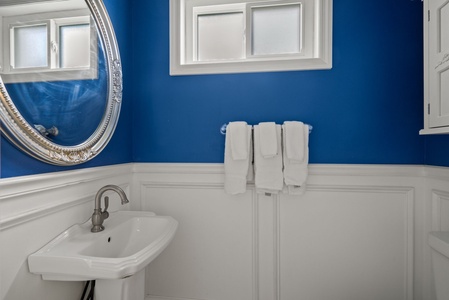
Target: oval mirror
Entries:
(60, 78)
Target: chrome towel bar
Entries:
(224, 126)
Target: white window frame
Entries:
(53, 72)
(316, 38)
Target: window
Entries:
(50, 46)
(230, 36)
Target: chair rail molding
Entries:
(23, 199)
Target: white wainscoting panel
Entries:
(351, 236)
(360, 231)
(346, 243)
(440, 210)
(213, 251)
(34, 210)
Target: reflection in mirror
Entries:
(60, 78)
(46, 90)
(74, 108)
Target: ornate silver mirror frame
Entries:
(16, 129)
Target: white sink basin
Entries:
(129, 242)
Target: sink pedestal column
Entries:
(129, 288)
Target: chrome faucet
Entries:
(99, 216)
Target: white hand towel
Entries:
(250, 175)
(268, 170)
(268, 139)
(236, 170)
(238, 132)
(296, 140)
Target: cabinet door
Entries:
(438, 63)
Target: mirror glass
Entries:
(60, 78)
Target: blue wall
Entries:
(367, 109)
(15, 163)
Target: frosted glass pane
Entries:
(220, 36)
(444, 28)
(30, 46)
(276, 30)
(74, 46)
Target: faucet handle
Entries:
(105, 213)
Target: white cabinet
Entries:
(436, 67)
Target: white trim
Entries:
(314, 169)
(438, 130)
(180, 168)
(25, 185)
(439, 173)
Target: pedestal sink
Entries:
(116, 257)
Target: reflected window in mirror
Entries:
(59, 45)
(74, 43)
(29, 47)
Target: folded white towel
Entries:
(236, 167)
(268, 139)
(268, 170)
(296, 140)
(250, 175)
(238, 132)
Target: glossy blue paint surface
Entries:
(437, 150)
(367, 109)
